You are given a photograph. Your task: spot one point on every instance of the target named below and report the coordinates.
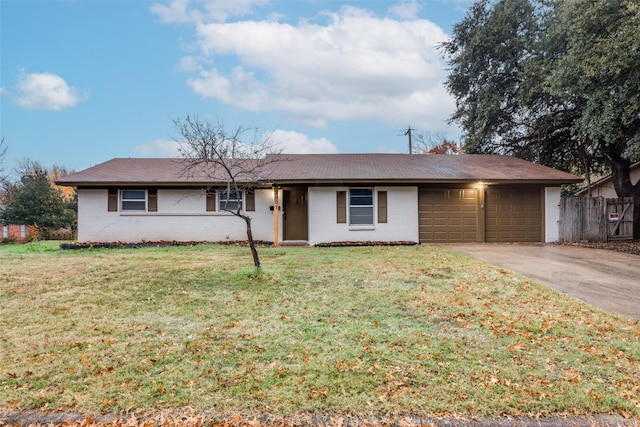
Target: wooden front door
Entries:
(294, 206)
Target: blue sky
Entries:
(85, 81)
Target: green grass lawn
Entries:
(380, 331)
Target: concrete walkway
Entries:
(605, 279)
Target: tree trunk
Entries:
(621, 176)
(252, 244)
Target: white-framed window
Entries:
(361, 206)
(230, 200)
(133, 200)
(5, 231)
(23, 231)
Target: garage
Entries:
(468, 215)
(514, 214)
(448, 215)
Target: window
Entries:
(134, 200)
(361, 206)
(230, 200)
(23, 231)
(5, 231)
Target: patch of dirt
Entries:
(626, 246)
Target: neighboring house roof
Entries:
(332, 168)
(605, 180)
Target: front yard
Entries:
(376, 331)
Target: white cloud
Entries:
(46, 91)
(406, 10)
(2, 90)
(357, 66)
(189, 64)
(297, 143)
(180, 11)
(158, 147)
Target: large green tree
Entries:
(552, 81)
(35, 202)
(601, 69)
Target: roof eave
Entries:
(338, 181)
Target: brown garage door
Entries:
(513, 214)
(448, 215)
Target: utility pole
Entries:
(408, 132)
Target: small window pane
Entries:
(230, 200)
(132, 205)
(133, 194)
(361, 206)
(361, 215)
(362, 196)
(134, 200)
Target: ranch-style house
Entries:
(325, 198)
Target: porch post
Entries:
(276, 216)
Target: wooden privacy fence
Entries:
(595, 219)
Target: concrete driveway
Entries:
(605, 279)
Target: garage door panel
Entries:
(469, 236)
(452, 216)
(440, 235)
(471, 222)
(456, 222)
(513, 214)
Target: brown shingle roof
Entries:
(333, 168)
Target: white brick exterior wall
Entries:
(402, 214)
(181, 216)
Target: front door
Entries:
(294, 206)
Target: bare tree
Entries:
(427, 143)
(3, 155)
(223, 157)
(5, 184)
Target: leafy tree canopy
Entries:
(552, 81)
